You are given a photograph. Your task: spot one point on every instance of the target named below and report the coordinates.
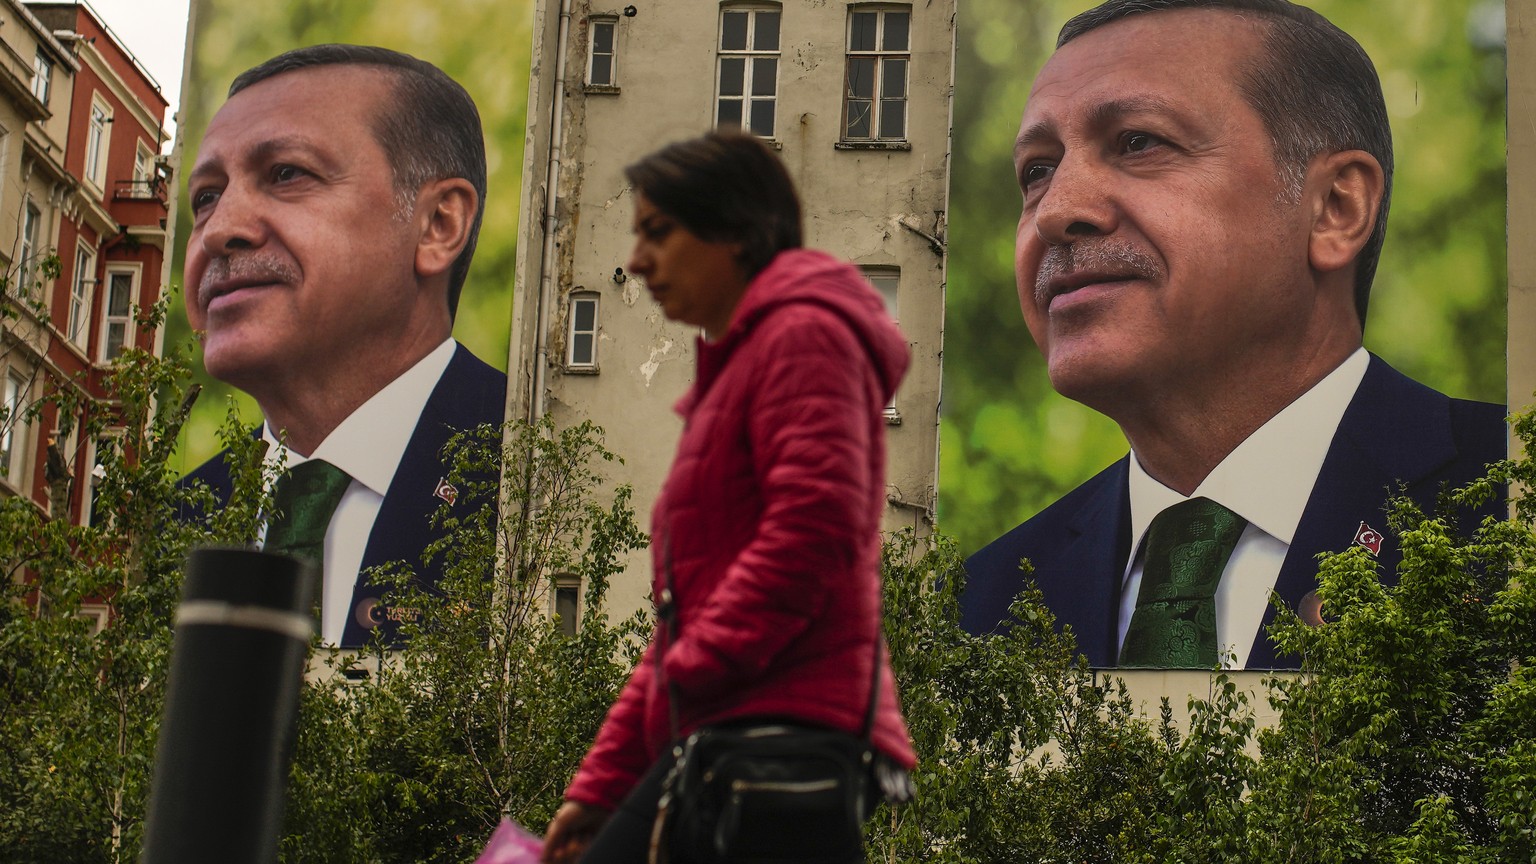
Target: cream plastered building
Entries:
(856, 99)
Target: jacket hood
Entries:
(811, 276)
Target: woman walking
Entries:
(765, 537)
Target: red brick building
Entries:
(90, 185)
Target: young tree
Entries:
(79, 707)
(491, 703)
(1409, 734)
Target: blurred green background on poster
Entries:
(1011, 445)
(482, 44)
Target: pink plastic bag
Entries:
(511, 844)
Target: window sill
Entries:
(889, 146)
(582, 370)
(71, 345)
(9, 489)
(600, 89)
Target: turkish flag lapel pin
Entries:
(1370, 538)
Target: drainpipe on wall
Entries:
(547, 264)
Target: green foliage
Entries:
(1026, 753)
(1410, 734)
(490, 706)
(486, 712)
(79, 709)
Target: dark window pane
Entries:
(732, 70)
(861, 32)
(766, 36)
(893, 79)
(586, 315)
(118, 296)
(861, 78)
(115, 340)
(896, 26)
(602, 37)
(565, 607)
(729, 113)
(602, 69)
(733, 31)
(858, 118)
(893, 118)
(764, 71)
(581, 349)
(762, 117)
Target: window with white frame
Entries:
(602, 68)
(143, 163)
(875, 89)
(96, 617)
(31, 218)
(581, 338)
(747, 69)
(887, 281)
(143, 171)
(42, 77)
(105, 456)
(97, 138)
(80, 296)
(117, 313)
(13, 428)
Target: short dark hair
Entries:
(726, 186)
(1314, 87)
(430, 130)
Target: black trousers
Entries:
(626, 837)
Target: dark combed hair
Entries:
(430, 129)
(726, 186)
(1313, 86)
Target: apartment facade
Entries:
(855, 97)
(85, 225)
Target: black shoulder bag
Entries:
(768, 792)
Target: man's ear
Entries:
(1345, 189)
(445, 211)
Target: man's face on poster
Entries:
(301, 248)
(1158, 239)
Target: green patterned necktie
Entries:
(1174, 625)
(304, 500)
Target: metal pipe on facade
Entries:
(547, 266)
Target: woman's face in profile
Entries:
(694, 281)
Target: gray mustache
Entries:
(1096, 256)
(245, 266)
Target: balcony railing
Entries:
(140, 190)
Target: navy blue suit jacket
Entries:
(469, 393)
(1395, 430)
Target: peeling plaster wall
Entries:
(858, 205)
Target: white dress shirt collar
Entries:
(368, 444)
(1268, 478)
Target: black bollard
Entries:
(221, 765)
